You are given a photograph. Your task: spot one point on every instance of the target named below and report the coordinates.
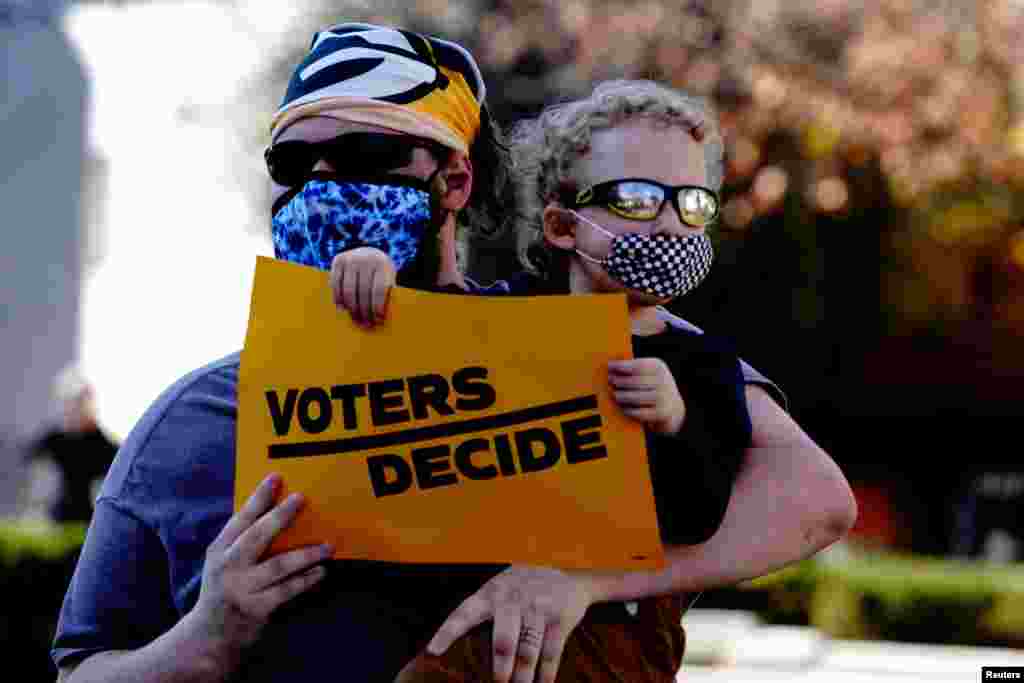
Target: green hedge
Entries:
(37, 560)
(38, 539)
(872, 595)
(858, 595)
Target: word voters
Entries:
(451, 432)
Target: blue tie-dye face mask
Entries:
(330, 214)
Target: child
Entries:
(618, 194)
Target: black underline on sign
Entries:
(478, 424)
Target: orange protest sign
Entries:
(462, 429)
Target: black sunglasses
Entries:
(290, 162)
(639, 199)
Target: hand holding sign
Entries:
(240, 588)
(361, 280)
(646, 391)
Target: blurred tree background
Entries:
(871, 250)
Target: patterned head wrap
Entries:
(389, 77)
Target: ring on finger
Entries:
(530, 636)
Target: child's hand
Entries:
(645, 390)
(360, 282)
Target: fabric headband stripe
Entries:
(391, 77)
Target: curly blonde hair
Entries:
(545, 150)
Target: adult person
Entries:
(170, 585)
(764, 527)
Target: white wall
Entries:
(172, 290)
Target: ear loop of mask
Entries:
(599, 262)
(422, 271)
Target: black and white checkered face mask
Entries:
(666, 266)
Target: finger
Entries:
(634, 366)
(349, 283)
(382, 281)
(255, 540)
(366, 295)
(642, 414)
(364, 280)
(335, 277)
(279, 567)
(551, 652)
(367, 281)
(473, 610)
(631, 381)
(508, 621)
(268, 600)
(531, 639)
(644, 398)
(621, 367)
(258, 503)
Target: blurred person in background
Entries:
(989, 516)
(172, 586)
(74, 455)
(42, 116)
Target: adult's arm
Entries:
(117, 602)
(176, 656)
(790, 501)
(239, 592)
